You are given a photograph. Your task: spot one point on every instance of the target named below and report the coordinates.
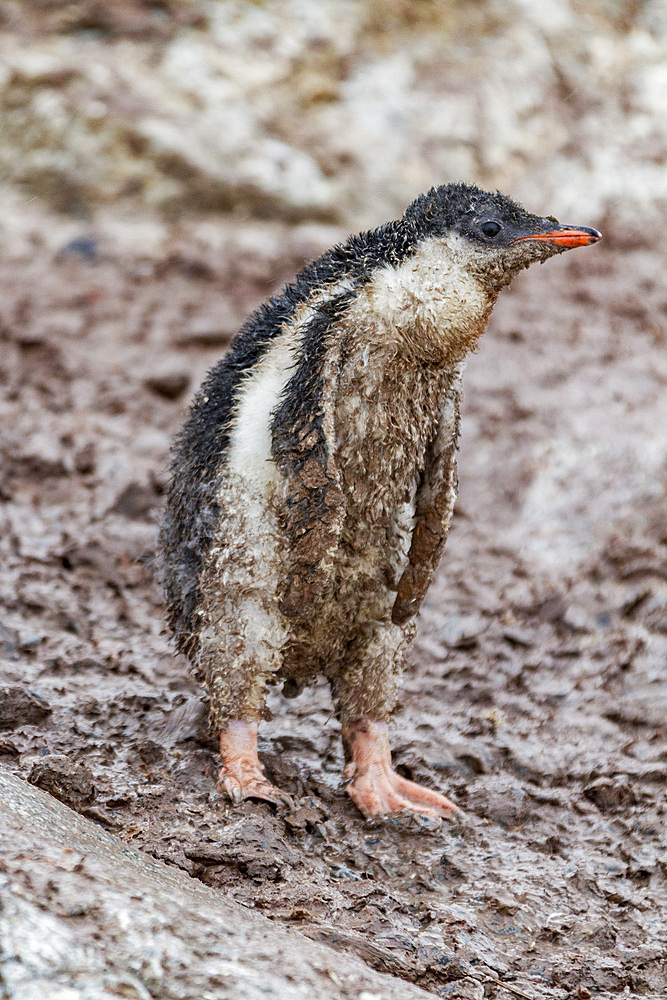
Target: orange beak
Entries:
(566, 236)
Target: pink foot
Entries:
(241, 775)
(375, 788)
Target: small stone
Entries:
(20, 707)
(42, 456)
(610, 793)
(518, 637)
(84, 459)
(503, 901)
(464, 989)
(136, 501)
(205, 336)
(82, 247)
(305, 817)
(67, 781)
(461, 631)
(170, 383)
(8, 648)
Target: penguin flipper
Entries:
(433, 510)
(303, 436)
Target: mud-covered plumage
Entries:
(315, 478)
(314, 501)
(193, 512)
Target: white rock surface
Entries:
(84, 916)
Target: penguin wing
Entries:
(433, 510)
(302, 446)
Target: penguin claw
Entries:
(375, 788)
(241, 776)
(239, 787)
(379, 796)
(234, 792)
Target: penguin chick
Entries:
(315, 478)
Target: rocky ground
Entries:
(85, 916)
(535, 697)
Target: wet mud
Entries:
(535, 693)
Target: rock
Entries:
(137, 501)
(19, 707)
(41, 456)
(170, 383)
(81, 247)
(503, 802)
(609, 794)
(72, 783)
(84, 915)
(503, 901)
(205, 336)
(463, 989)
(8, 647)
(84, 459)
(461, 631)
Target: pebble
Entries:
(61, 777)
(20, 707)
(170, 384)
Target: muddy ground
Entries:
(535, 696)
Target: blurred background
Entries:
(338, 111)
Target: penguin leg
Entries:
(366, 690)
(241, 775)
(237, 655)
(241, 635)
(374, 786)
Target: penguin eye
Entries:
(491, 228)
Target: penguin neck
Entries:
(431, 307)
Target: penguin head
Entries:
(492, 236)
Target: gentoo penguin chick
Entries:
(314, 480)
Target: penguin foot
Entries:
(374, 786)
(241, 775)
(239, 783)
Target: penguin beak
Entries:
(565, 236)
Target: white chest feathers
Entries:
(249, 453)
(432, 301)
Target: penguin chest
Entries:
(386, 414)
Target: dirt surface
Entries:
(535, 697)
